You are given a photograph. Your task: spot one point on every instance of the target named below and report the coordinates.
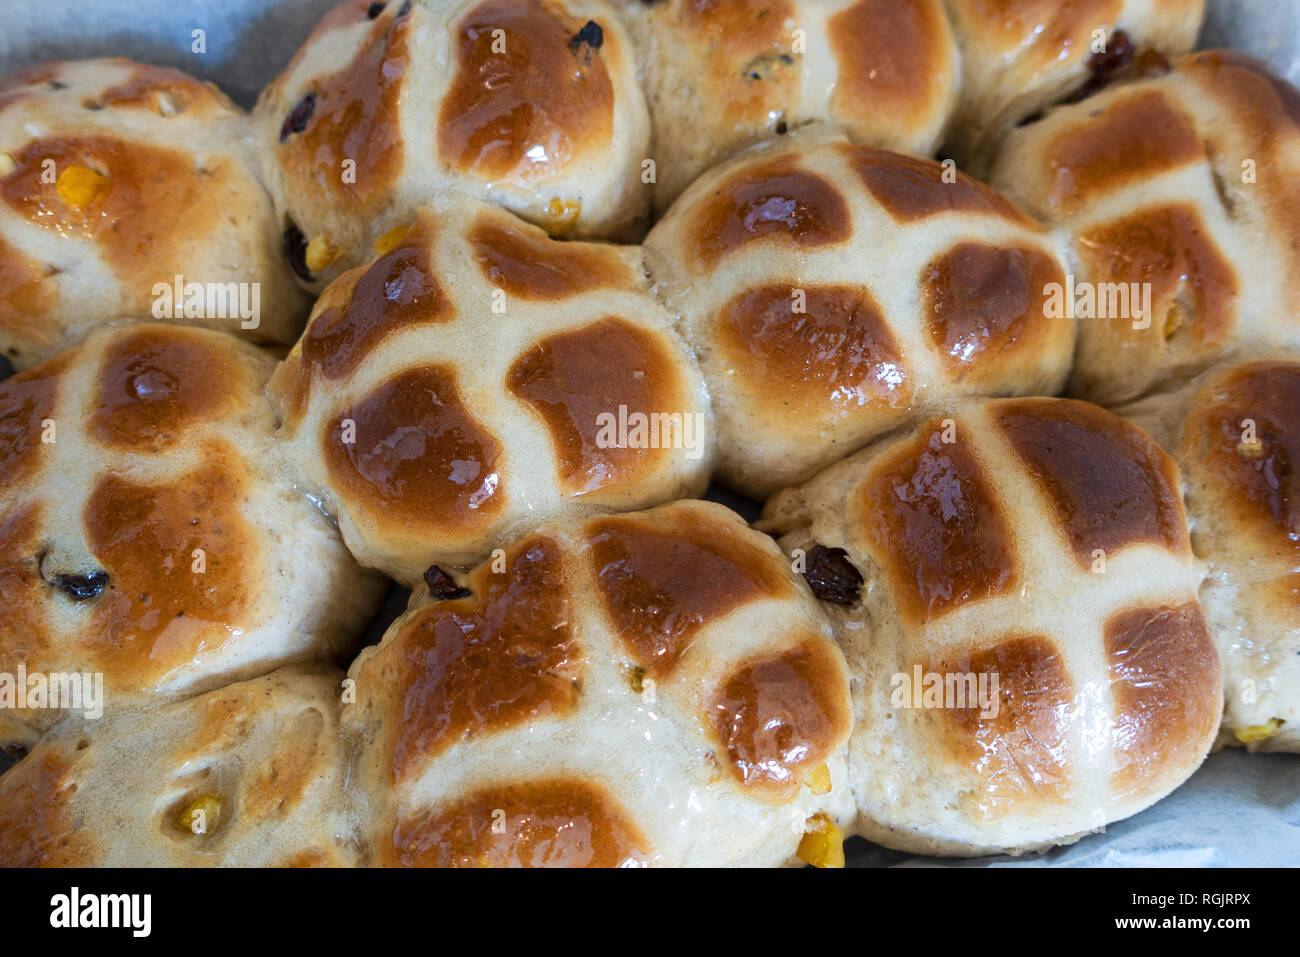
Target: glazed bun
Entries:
(480, 378)
(1235, 433)
(655, 688)
(1039, 543)
(722, 76)
(1186, 182)
(1022, 56)
(115, 179)
(532, 104)
(830, 291)
(148, 532)
(250, 775)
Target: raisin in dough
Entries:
(469, 384)
(653, 688)
(1235, 432)
(533, 104)
(148, 531)
(116, 177)
(831, 290)
(1040, 540)
(1187, 182)
(721, 76)
(1021, 56)
(249, 775)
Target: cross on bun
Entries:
(654, 688)
(533, 104)
(1185, 182)
(1022, 56)
(1235, 432)
(116, 177)
(249, 775)
(147, 532)
(884, 71)
(1039, 542)
(830, 290)
(462, 389)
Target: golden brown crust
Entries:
(773, 201)
(26, 402)
(981, 299)
(527, 264)
(662, 586)
(553, 822)
(779, 717)
(541, 88)
(570, 379)
(938, 527)
(477, 665)
(355, 118)
(21, 589)
(160, 609)
(26, 302)
(912, 188)
(153, 204)
(748, 73)
(1166, 683)
(33, 831)
(361, 309)
(1018, 756)
(418, 457)
(157, 385)
(890, 54)
(1166, 247)
(1255, 482)
(821, 356)
(1109, 484)
(1129, 140)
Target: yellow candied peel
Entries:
(388, 242)
(1173, 320)
(562, 214)
(7, 164)
(822, 844)
(210, 806)
(819, 780)
(320, 253)
(1250, 450)
(79, 186)
(1258, 732)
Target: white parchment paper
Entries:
(1238, 810)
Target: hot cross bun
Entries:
(1039, 542)
(885, 71)
(1235, 432)
(533, 104)
(1186, 183)
(1021, 56)
(830, 290)
(147, 532)
(250, 775)
(480, 378)
(653, 688)
(117, 181)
